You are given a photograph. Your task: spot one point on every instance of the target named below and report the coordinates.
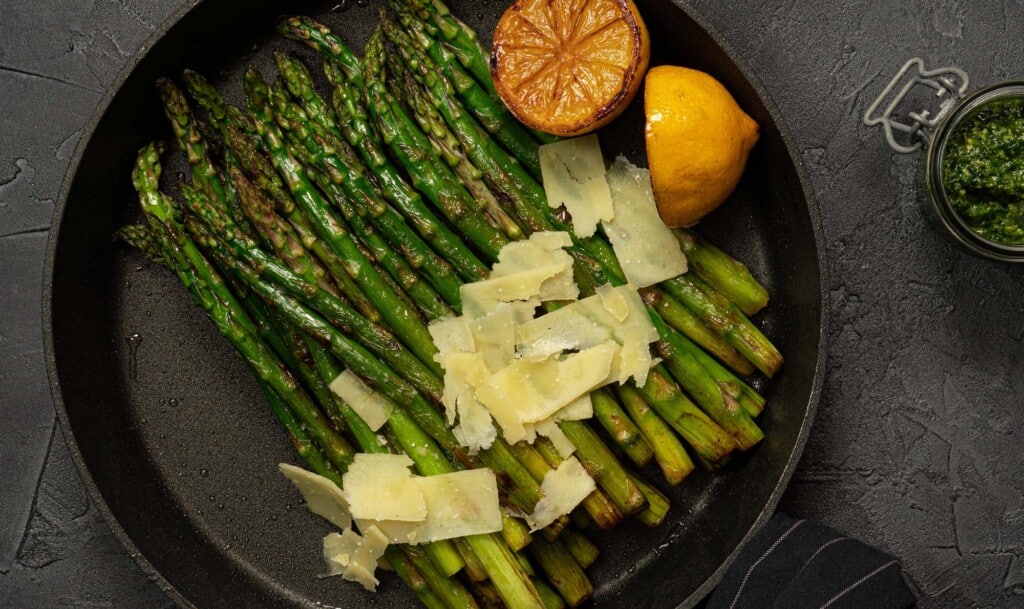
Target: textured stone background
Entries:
(917, 448)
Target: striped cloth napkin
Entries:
(799, 564)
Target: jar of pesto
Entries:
(972, 182)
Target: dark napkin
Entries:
(799, 564)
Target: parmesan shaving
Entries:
(535, 390)
(458, 504)
(580, 409)
(451, 335)
(464, 372)
(549, 429)
(645, 247)
(533, 268)
(482, 297)
(371, 407)
(381, 487)
(322, 496)
(355, 557)
(495, 337)
(564, 488)
(613, 301)
(339, 549)
(574, 176)
(593, 321)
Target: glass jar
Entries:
(932, 131)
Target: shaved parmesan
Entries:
(464, 372)
(458, 504)
(495, 336)
(451, 335)
(476, 429)
(322, 496)
(533, 268)
(371, 406)
(339, 549)
(564, 488)
(535, 390)
(381, 487)
(613, 301)
(549, 429)
(570, 328)
(593, 321)
(481, 297)
(574, 176)
(353, 557)
(577, 410)
(646, 248)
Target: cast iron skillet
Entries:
(174, 441)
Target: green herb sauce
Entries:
(983, 171)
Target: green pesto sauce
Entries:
(983, 171)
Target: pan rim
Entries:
(56, 224)
(49, 268)
(814, 398)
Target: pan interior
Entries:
(179, 442)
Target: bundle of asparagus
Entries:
(326, 235)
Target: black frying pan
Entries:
(174, 440)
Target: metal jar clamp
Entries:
(931, 129)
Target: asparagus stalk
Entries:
(140, 237)
(669, 453)
(621, 427)
(208, 289)
(474, 570)
(189, 139)
(722, 315)
(430, 175)
(410, 147)
(492, 114)
(146, 178)
(333, 156)
(279, 235)
(459, 37)
(682, 319)
(351, 122)
(414, 579)
(424, 298)
(562, 570)
(720, 405)
(495, 164)
(751, 401)
(242, 140)
(709, 441)
(582, 549)
(405, 323)
(265, 268)
(449, 149)
(463, 42)
(726, 274)
(340, 272)
(451, 596)
(551, 598)
(657, 503)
